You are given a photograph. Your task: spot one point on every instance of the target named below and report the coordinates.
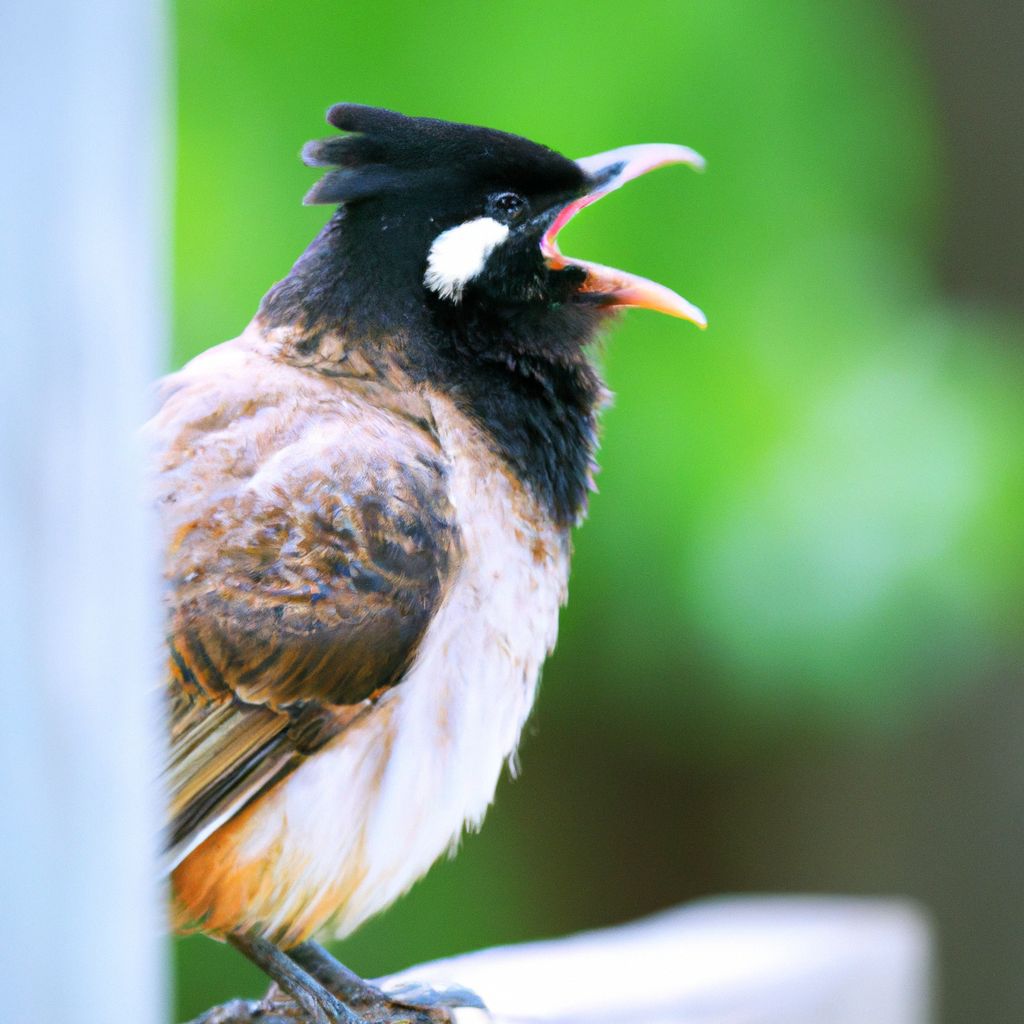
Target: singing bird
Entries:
(366, 502)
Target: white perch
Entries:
(760, 960)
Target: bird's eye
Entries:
(505, 206)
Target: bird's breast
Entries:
(354, 826)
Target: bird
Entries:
(365, 504)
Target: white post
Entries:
(83, 231)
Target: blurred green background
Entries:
(789, 661)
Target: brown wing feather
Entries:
(309, 545)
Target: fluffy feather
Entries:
(353, 827)
(460, 254)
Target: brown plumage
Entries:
(295, 604)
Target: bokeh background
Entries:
(791, 660)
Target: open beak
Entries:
(607, 172)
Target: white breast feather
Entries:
(373, 810)
(460, 254)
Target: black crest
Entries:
(388, 152)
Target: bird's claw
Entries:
(452, 997)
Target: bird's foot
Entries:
(276, 1007)
(310, 999)
(380, 1002)
(433, 1000)
(405, 1004)
(311, 987)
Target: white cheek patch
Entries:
(459, 254)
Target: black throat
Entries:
(521, 371)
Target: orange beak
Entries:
(609, 171)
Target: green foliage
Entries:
(810, 512)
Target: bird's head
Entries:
(467, 218)
(441, 268)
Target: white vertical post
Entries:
(83, 230)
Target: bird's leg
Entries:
(372, 1001)
(332, 974)
(316, 1002)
